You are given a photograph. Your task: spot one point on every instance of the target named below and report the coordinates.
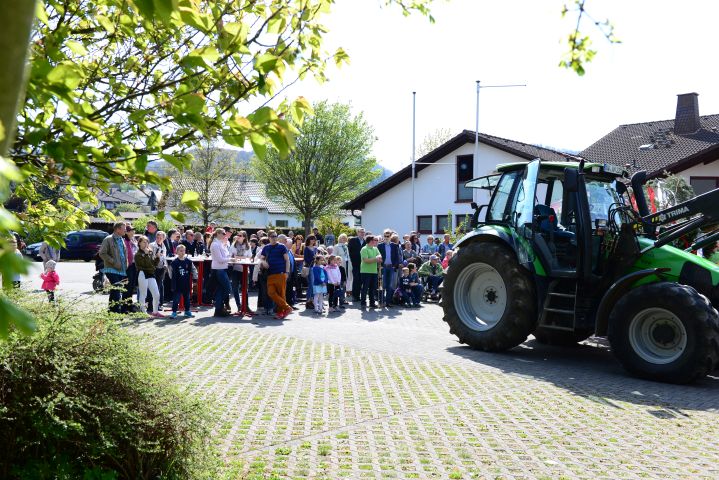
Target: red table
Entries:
(200, 261)
(245, 312)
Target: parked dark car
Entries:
(82, 245)
(33, 251)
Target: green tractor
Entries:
(563, 255)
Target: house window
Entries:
(465, 173)
(110, 205)
(463, 219)
(282, 223)
(443, 224)
(703, 184)
(424, 223)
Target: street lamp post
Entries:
(475, 159)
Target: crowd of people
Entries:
(145, 270)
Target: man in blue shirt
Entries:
(276, 259)
(444, 246)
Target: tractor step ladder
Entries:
(551, 307)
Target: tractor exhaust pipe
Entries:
(638, 180)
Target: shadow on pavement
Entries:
(590, 371)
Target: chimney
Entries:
(687, 118)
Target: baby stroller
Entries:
(98, 280)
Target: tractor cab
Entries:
(558, 212)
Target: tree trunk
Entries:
(14, 40)
(308, 225)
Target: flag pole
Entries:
(475, 159)
(414, 117)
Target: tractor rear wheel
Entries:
(665, 331)
(561, 338)
(488, 298)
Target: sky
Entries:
(666, 49)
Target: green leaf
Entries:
(299, 108)
(265, 63)
(9, 170)
(173, 160)
(276, 24)
(341, 57)
(106, 214)
(263, 116)
(106, 24)
(194, 103)
(179, 216)
(259, 145)
(12, 315)
(93, 128)
(191, 200)
(67, 75)
(41, 13)
(154, 140)
(76, 47)
(164, 9)
(8, 221)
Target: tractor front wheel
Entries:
(488, 298)
(665, 331)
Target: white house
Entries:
(687, 145)
(440, 198)
(146, 199)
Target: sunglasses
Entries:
(273, 236)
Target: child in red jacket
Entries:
(50, 280)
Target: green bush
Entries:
(165, 224)
(82, 398)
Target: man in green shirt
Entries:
(370, 259)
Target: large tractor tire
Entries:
(562, 338)
(666, 332)
(488, 298)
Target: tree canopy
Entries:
(114, 84)
(433, 140)
(214, 174)
(331, 163)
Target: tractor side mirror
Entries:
(571, 179)
(621, 188)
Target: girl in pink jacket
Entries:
(50, 280)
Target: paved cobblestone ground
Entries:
(392, 395)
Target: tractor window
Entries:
(498, 206)
(524, 200)
(600, 196)
(557, 197)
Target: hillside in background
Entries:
(384, 175)
(161, 166)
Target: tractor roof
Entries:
(588, 167)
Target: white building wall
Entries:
(701, 170)
(292, 222)
(435, 193)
